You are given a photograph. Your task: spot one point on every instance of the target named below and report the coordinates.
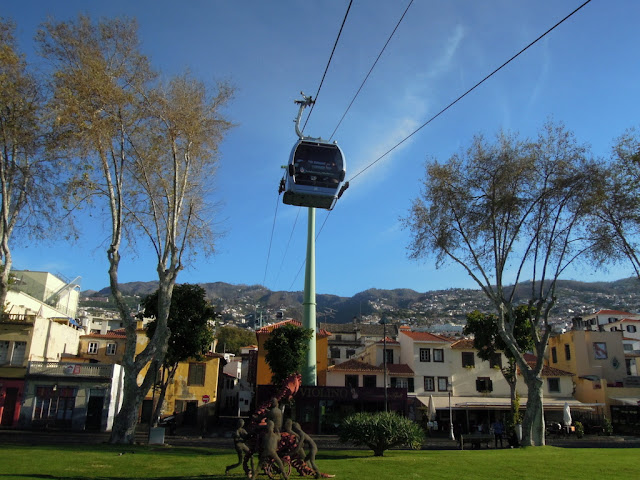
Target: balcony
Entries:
(18, 318)
(72, 370)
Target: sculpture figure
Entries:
(275, 415)
(306, 440)
(269, 449)
(239, 438)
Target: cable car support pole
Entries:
(309, 373)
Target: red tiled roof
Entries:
(389, 340)
(399, 369)
(424, 336)
(273, 326)
(547, 371)
(612, 312)
(463, 344)
(354, 365)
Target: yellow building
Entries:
(264, 373)
(597, 359)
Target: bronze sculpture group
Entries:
(279, 446)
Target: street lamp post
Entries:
(450, 391)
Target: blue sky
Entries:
(585, 74)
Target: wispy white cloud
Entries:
(413, 107)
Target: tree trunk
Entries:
(533, 425)
(124, 425)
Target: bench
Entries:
(476, 440)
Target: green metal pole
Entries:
(309, 374)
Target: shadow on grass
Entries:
(58, 477)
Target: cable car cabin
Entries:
(315, 174)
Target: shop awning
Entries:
(627, 400)
(502, 403)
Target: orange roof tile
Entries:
(399, 369)
(273, 326)
(463, 344)
(425, 337)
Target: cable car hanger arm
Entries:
(305, 102)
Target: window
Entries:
(627, 348)
(484, 384)
(338, 338)
(425, 355)
(369, 381)
(429, 385)
(92, 349)
(567, 351)
(350, 352)
(335, 353)
(554, 355)
(196, 374)
(111, 348)
(19, 350)
(438, 355)
(554, 384)
(495, 361)
(468, 359)
(4, 351)
(443, 382)
(389, 355)
(631, 329)
(351, 381)
(599, 350)
(410, 387)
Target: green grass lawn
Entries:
(104, 462)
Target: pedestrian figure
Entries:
(498, 431)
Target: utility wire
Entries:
(328, 63)
(371, 69)
(288, 243)
(468, 91)
(273, 227)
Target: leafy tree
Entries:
(286, 351)
(232, 339)
(191, 333)
(488, 342)
(380, 431)
(509, 212)
(148, 151)
(31, 178)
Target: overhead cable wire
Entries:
(304, 261)
(453, 103)
(287, 247)
(371, 69)
(273, 227)
(328, 63)
(470, 90)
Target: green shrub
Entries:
(608, 428)
(381, 431)
(579, 429)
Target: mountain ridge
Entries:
(239, 300)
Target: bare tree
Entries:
(30, 182)
(616, 220)
(150, 153)
(509, 213)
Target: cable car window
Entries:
(317, 165)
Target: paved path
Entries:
(324, 442)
